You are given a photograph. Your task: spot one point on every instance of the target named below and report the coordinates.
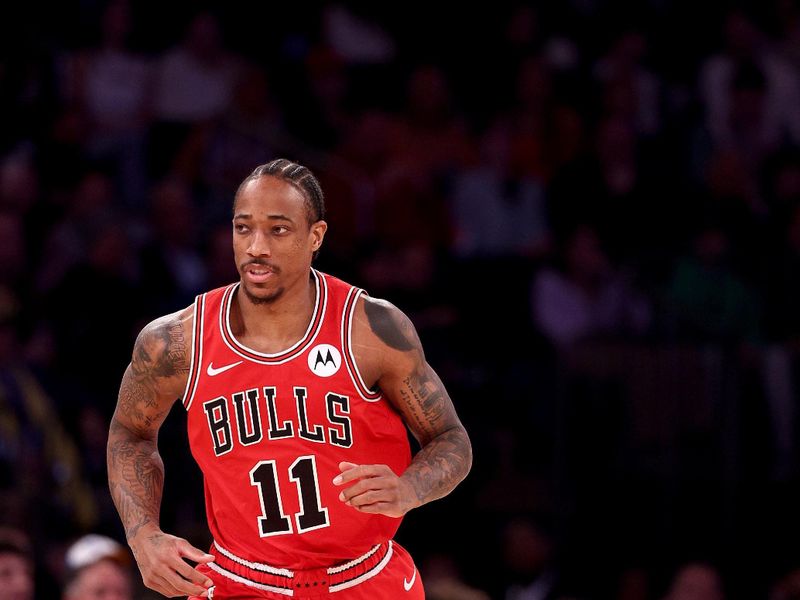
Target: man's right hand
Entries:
(160, 557)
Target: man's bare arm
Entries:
(135, 469)
(414, 388)
(152, 382)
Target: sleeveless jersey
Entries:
(269, 431)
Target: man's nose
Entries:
(259, 245)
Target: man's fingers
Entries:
(351, 472)
(192, 553)
(164, 586)
(181, 586)
(363, 485)
(368, 497)
(378, 508)
(348, 472)
(192, 575)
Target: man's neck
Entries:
(278, 324)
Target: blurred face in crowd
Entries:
(16, 577)
(696, 582)
(273, 238)
(104, 580)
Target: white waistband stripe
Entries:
(264, 568)
(247, 582)
(368, 575)
(354, 562)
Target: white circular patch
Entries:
(324, 360)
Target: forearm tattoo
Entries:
(136, 478)
(446, 455)
(441, 464)
(135, 469)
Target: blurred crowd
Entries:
(590, 209)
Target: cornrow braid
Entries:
(299, 176)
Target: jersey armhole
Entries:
(349, 358)
(197, 351)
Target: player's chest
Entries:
(264, 412)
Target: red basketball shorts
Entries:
(386, 571)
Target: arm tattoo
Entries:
(135, 470)
(441, 464)
(159, 355)
(136, 478)
(424, 396)
(446, 455)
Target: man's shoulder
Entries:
(166, 342)
(380, 319)
(179, 318)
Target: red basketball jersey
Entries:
(269, 431)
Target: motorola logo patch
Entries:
(324, 360)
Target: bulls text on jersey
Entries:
(254, 414)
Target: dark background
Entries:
(590, 209)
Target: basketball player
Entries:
(298, 388)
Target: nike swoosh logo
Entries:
(407, 585)
(212, 371)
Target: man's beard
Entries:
(262, 299)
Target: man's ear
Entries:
(318, 230)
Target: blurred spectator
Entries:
(781, 294)
(219, 261)
(89, 209)
(613, 186)
(19, 184)
(497, 208)
(217, 151)
(443, 581)
(781, 188)
(511, 488)
(708, 299)
(16, 565)
(79, 312)
(696, 581)
(170, 260)
(634, 584)
(432, 138)
(586, 295)
(41, 475)
(735, 205)
(194, 83)
(530, 571)
(763, 81)
(12, 251)
(351, 179)
(788, 38)
(355, 38)
(111, 85)
(630, 89)
(97, 568)
(321, 115)
(786, 587)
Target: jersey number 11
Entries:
(273, 519)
